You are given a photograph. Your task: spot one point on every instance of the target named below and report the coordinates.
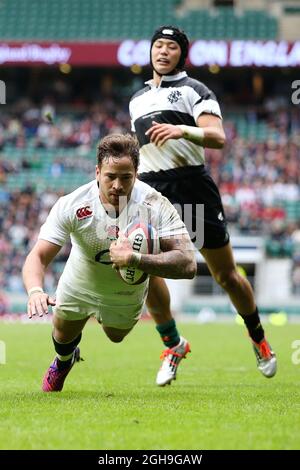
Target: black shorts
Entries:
(185, 187)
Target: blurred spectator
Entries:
(4, 304)
(258, 177)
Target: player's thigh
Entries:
(118, 320)
(219, 260)
(71, 313)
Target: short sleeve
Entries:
(205, 101)
(57, 227)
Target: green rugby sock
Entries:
(168, 333)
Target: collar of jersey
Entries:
(167, 78)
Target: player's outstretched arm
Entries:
(176, 261)
(33, 277)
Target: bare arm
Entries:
(211, 127)
(33, 276)
(214, 135)
(177, 260)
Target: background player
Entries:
(174, 118)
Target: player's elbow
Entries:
(220, 140)
(190, 268)
(216, 140)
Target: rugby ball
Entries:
(143, 239)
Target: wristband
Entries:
(192, 133)
(135, 259)
(34, 290)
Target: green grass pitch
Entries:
(110, 401)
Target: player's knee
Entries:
(116, 339)
(227, 279)
(116, 335)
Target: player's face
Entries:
(165, 55)
(116, 178)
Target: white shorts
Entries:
(70, 307)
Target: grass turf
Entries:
(110, 401)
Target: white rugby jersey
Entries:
(178, 99)
(81, 216)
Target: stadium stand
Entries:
(92, 20)
(258, 172)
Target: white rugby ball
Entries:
(143, 238)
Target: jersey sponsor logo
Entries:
(84, 213)
(151, 116)
(174, 96)
(103, 257)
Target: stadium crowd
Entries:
(258, 178)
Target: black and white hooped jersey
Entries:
(178, 99)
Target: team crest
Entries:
(112, 232)
(174, 96)
(84, 212)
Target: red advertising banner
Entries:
(128, 52)
(30, 53)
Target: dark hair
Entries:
(118, 146)
(174, 34)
